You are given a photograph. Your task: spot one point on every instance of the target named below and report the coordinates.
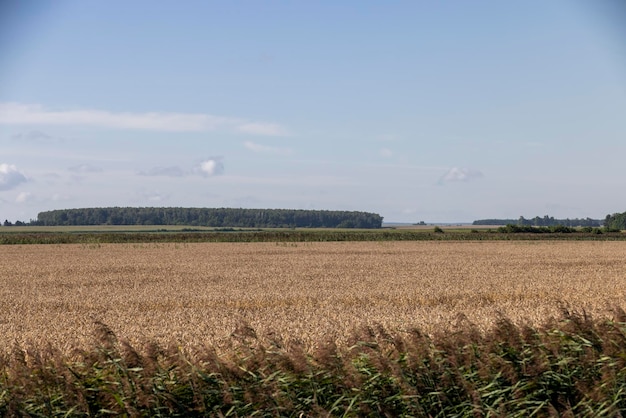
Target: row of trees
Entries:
(219, 217)
(560, 229)
(17, 223)
(615, 221)
(545, 221)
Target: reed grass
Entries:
(573, 366)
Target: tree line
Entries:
(615, 221)
(211, 217)
(542, 221)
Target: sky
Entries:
(435, 111)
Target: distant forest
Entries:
(538, 221)
(220, 217)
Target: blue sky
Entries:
(441, 111)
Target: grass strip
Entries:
(15, 238)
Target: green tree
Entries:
(617, 221)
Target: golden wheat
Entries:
(203, 293)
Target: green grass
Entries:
(575, 366)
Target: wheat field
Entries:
(208, 294)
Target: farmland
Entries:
(199, 293)
(377, 328)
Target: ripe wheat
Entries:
(196, 294)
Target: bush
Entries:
(516, 229)
(562, 229)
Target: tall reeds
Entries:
(573, 366)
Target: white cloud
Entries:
(23, 197)
(34, 114)
(386, 153)
(210, 167)
(10, 177)
(456, 174)
(252, 146)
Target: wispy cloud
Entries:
(34, 114)
(456, 174)
(212, 166)
(304, 181)
(266, 129)
(385, 153)
(36, 137)
(259, 148)
(154, 196)
(23, 197)
(172, 171)
(10, 177)
(84, 168)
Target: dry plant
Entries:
(219, 294)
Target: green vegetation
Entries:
(615, 222)
(556, 229)
(575, 366)
(542, 221)
(101, 235)
(221, 217)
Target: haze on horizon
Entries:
(419, 111)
